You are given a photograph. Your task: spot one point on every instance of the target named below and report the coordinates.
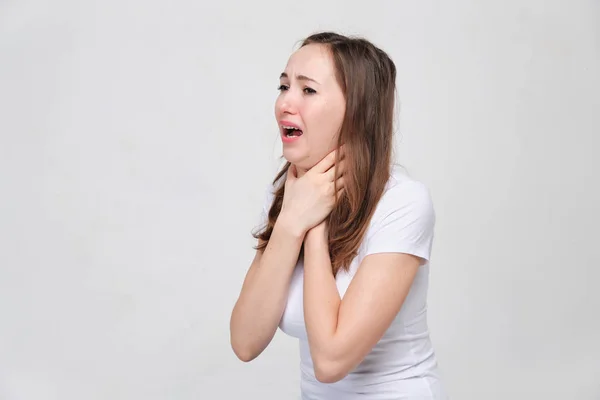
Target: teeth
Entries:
(289, 127)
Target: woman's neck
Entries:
(301, 172)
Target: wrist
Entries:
(290, 224)
(318, 234)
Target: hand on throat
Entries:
(300, 171)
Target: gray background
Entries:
(136, 138)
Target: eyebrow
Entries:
(299, 77)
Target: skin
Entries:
(340, 332)
(311, 98)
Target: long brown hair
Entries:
(367, 77)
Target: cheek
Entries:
(329, 122)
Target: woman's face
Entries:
(312, 102)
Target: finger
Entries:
(342, 151)
(335, 172)
(340, 168)
(325, 164)
(339, 194)
(338, 185)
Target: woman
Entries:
(343, 260)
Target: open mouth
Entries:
(290, 131)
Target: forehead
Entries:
(313, 60)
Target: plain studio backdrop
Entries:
(136, 141)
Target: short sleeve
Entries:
(403, 222)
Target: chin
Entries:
(299, 160)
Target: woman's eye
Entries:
(307, 90)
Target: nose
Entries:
(287, 103)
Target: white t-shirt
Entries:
(402, 365)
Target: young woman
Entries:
(342, 262)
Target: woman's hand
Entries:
(309, 200)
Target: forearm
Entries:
(262, 300)
(321, 302)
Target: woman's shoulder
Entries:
(404, 218)
(404, 190)
(405, 200)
